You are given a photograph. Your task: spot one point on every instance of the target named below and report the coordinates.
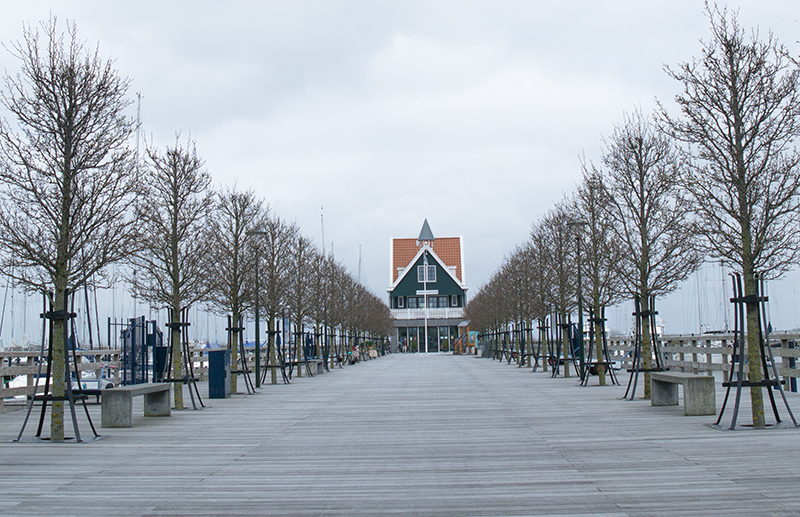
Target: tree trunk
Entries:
(59, 364)
(647, 344)
(234, 350)
(298, 349)
(754, 352)
(177, 356)
(543, 345)
(565, 345)
(598, 342)
(271, 349)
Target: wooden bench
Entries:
(698, 392)
(117, 403)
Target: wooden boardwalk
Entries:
(410, 435)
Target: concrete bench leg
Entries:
(699, 397)
(116, 409)
(663, 393)
(157, 403)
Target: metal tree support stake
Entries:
(70, 395)
(188, 371)
(637, 366)
(543, 328)
(737, 373)
(273, 339)
(601, 362)
(241, 357)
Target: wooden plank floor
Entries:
(410, 435)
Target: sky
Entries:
(372, 116)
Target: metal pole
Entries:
(258, 328)
(425, 294)
(580, 310)
(578, 227)
(251, 233)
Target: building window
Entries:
(443, 302)
(431, 274)
(412, 302)
(400, 302)
(454, 300)
(432, 302)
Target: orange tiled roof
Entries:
(446, 248)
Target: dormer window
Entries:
(426, 274)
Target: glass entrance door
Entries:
(433, 340)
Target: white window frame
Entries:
(431, 276)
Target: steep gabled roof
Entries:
(448, 249)
(403, 253)
(406, 269)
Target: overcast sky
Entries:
(472, 114)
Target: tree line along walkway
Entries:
(410, 435)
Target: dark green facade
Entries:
(410, 284)
(432, 309)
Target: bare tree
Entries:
(324, 293)
(274, 241)
(740, 116)
(521, 278)
(68, 180)
(484, 310)
(541, 287)
(651, 217)
(600, 251)
(302, 256)
(561, 267)
(336, 307)
(231, 261)
(376, 318)
(172, 266)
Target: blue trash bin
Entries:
(219, 373)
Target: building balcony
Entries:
(432, 314)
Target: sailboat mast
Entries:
(322, 222)
(88, 314)
(724, 295)
(699, 301)
(359, 263)
(138, 125)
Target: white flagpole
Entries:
(425, 295)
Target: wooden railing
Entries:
(704, 353)
(711, 352)
(25, 363)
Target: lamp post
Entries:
(257, 311)
(578, 227)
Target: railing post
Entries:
(724, 350)
(788, 363)
(666, 346)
